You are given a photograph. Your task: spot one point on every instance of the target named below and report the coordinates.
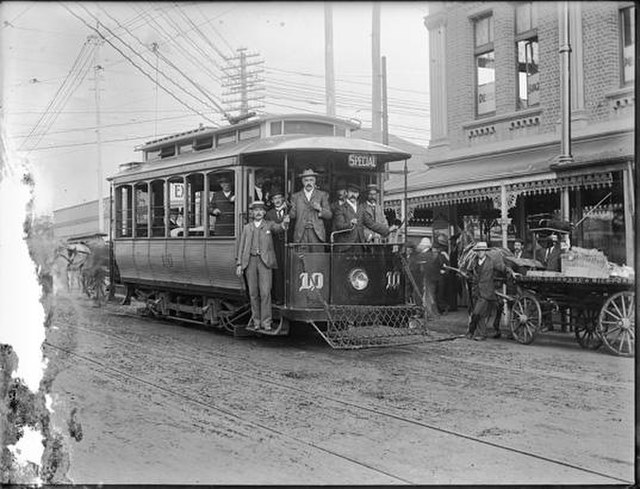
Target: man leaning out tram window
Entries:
(353, 220)
(256, 257)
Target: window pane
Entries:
(222, 204)
(195, 189)
(528, 77)
(485, 66)
(483, 28)
(142, 207)
(627, 21)
(123, 212)
(303, 127)
(276, 128)
(157, 208)
(176, 207)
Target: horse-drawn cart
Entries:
(602, 310)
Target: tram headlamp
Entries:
(358, 279)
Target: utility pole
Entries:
(241, 82)
(376, 115)
(385, 107)
(329, 79)
(96, 80)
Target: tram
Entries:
(178, 257)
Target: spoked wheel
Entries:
(526, 318)
(616, 323)
(586, 329)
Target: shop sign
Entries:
(362, 161)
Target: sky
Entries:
(48, 78)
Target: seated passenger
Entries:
(353, 216)
(222, 207)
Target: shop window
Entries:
(485, 66)
(222, 203)
(176, 207)
(157, 208)
(141, 214)
(123, 211)
(627, 44)
(195, 205)
(528, 57)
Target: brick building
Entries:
(496, 110)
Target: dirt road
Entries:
(161, 402)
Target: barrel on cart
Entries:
(602, 310)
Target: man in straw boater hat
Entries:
(256, 258)
(483, 291)
(309, 208)
(352, 215)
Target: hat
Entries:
(441, 239)
(424, 244)
(373, 186)
(224, 178)
(309, 173)
(353, 186)
(256, 203)
(276, 191)
(480, 246)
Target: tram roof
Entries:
(275, 144)
(335, 144)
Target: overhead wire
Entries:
(166, 90)
(172, 65)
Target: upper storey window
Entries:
(528, 57)
(628, 43)
(485, 66)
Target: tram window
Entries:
(306, 127)
(141, 210)
(249, 133)
(167, 151)
(185, 148)
(222, 203)
(226, 138)
(203, 143)
(266, 180)
(157, 208)
(123, 211)
(195, 205)
(176, 207)
(276, 128)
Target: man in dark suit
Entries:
(261, 190)
(552, 261)
(518, 251)
(483, 291)
(256, 257)
(309, 208)
(353, 216)
(222, 207)
(376, 213)
(277, 214)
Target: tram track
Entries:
(262, 380)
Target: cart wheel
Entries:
(526, 318)
(617, 323)
(586, 329)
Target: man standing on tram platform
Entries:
(309, 208)
(375, 212)
(353, 215)
(277, 213)
(256, 258)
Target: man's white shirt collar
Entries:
(308, 194)
(353, 206)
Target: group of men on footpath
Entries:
(261, 246)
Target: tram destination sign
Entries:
(362, 161)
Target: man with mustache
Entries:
(309, 208)
(353, 215)
(376, 213)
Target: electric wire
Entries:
(169, 92)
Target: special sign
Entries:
(362, 161)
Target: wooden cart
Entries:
(602, 310)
